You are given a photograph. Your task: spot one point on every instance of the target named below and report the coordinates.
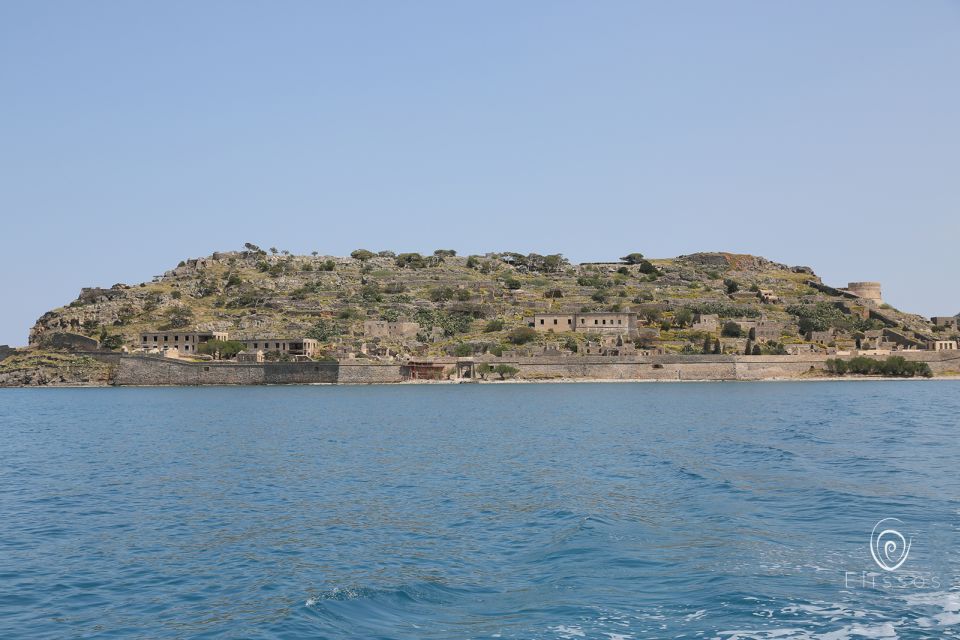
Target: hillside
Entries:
(473, 304)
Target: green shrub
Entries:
(522, 335)
(493, 325)
(731, 330)
(325, 329)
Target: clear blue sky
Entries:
(135, 134)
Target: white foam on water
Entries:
(949, 601)
(695, 615)
(569, 632)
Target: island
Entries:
(258, 316)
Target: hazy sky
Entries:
(135, 134)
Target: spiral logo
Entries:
(888, 546)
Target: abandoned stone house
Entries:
(942, 345)
(800, 349)
(708, 322)
(949, 322)
(766, 330)
(183, 341)
(822, 337)
(384, 329)
(594, 321)
(255, 357)
(289, 346)
(767, 296)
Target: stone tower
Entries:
(867, 290)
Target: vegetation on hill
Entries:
(466, 304)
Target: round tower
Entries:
(866, 290)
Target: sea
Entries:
(730, 511)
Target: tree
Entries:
(249, 246)
(314, 253)
(226, 348)
(506, 371)
(512, 283)
(445, 253)
(632, 258)
(707, 344)
(483, 370)
(108, 341)
(731, 330)
(732, 285)
(717, 348)
(463, 350)
(273, 250)
(748, 350)
(362, 255)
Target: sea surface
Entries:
(613, 511)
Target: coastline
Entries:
(955, 378)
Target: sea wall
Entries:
(145, 370)
(142, 370)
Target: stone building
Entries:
(822, 337)
(384, 329)
(767, 330)
(289, 346)
(596, 321)
(184, 341)
(708, 322)
(800, 349)
(767, 296)
(869, 291)
(950, 322)
(942, 345)
(255, 357)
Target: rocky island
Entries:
(260, 316)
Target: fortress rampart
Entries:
(142, 370)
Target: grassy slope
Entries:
(260, 295)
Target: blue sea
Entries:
(612, 511)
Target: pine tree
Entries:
(717, 349)
(749, 348)
(706, 344)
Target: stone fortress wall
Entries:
(146, 370)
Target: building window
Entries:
(568, 320)
(554, 321)
(541, 320)
(595, 321)
(255, 345)
(619, 321)
(165, 338)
